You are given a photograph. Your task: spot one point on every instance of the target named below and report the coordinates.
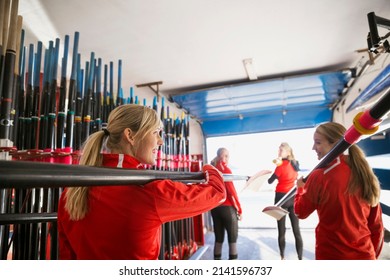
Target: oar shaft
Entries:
(23, 174)
(27, 218)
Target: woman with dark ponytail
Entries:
(345, 195)
(226, 216)
(124, 222)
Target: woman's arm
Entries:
(175, 200)
(375, 225)
(272, 178)
(306, 198)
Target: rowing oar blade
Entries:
(256, 181)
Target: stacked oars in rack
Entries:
(173, 155)
(45, 116)
(11, 34)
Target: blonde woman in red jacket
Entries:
(346, 196)
(286, 173)
(227, 215)
(124, 222)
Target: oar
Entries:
(36, 98)
(27, 218)
(61, 116)
(24, 174)
(7, 72)
(72, 89)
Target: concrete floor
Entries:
(261, 244)
(258, 234)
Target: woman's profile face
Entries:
(321, 145)
(147, 152)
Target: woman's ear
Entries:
(128, 134)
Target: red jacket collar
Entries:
(121, 161)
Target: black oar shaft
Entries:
(23, 174)
(27, 218)
(72, 94)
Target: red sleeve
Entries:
(230, 188)
(306, 198)
(175, 200)
(279, 170)
(375, 224)
(232, 195)
(222, 166)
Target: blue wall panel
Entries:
(376, 146)
(272, 121)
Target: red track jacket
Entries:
(124, 222)
(348, 227)
(286, 176)
(232, 197)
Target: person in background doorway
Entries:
(286, 172)
(346, 196)
(226, 216)
(124, 222)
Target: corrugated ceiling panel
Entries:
(294, 102)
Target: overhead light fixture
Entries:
(249, 68)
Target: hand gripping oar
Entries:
(364, 123)
(24, 174)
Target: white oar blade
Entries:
(275, 211)
(256, 181)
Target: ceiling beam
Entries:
(155, 90)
